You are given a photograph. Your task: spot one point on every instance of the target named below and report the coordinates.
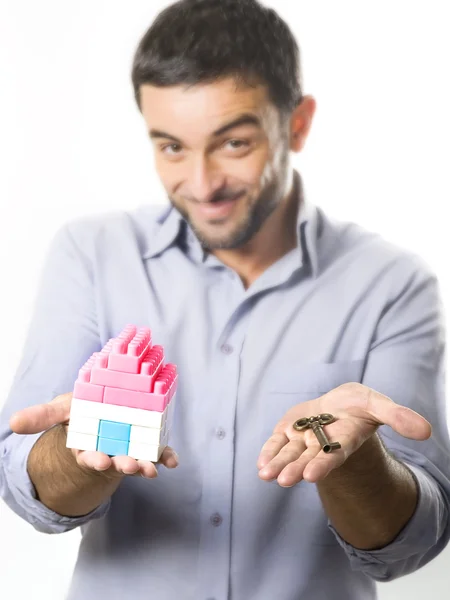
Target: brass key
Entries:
(316, 424)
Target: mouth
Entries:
(216, 210)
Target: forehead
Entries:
(200, 109)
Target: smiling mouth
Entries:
(217, 208)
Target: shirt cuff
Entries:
(22, 494)
(420, 533)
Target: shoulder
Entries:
(103, 232)
(368, 252)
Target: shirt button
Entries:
(226, 348)
(220, 433)
(216, 520)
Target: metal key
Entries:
(316, 424)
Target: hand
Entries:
(43, 416)
(290, 456)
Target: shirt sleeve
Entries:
(63, 333)
(406, 362)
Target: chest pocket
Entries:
(293, 384)
(315, 379)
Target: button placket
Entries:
(216, 503)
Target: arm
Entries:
(391, 531)
(356, 495)
(63, 333)
(61, 483)
(40, 479)
(394, 503)
(73, 482)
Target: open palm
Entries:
(56, 413)
(290, 455)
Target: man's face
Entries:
(221, 155)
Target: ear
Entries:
(301, 120)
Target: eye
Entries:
(237, 144)
(174, 149)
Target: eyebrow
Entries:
(245, 119)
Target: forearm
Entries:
(370, 498)
(60, 483)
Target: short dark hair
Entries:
(202, 41)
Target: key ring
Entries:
(316, 424)
(306, 422)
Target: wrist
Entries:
(371, 452)
(370, 458)
(68, 456)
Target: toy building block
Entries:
(122, 414)
(129, 349)
(147, 435)
(157, 400)
(123, 398)
(81, 441)
(140, 382)
(83, 388)
(87, 425)
(146, 451)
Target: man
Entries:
(273, 312)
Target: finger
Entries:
(169, 458)
(41, 417)
(125, 465)
(293, 473)
(97, 461)
(271, 448)
(322, 464)
(401, 419)
(147, 469)
(288, 453)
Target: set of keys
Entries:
(316, 424)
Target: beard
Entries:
(257, 213)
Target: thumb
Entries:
(402, 419)
(41, 417)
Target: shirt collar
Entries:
(308, 227)
(169, 227)
(172, 229)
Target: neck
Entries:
(277, 237)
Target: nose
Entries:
(204, 180)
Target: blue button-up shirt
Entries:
(345, 305)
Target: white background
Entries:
(72, 142)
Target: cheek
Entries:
(250, 170)
(274, 164)
(168, 174)
(268, 174)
